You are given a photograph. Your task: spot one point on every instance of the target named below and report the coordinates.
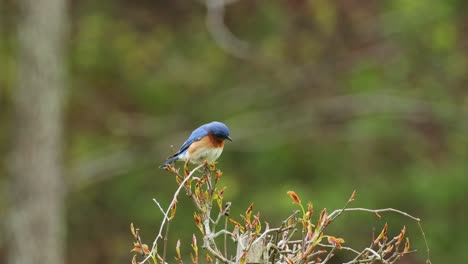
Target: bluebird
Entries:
(204, 144)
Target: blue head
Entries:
(218, 130)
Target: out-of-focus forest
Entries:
(321, 97)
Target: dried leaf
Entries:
(198, 222)
(221, 192)
(179, 257)
(136, 247)
(322, 219)
(353, 195)
(335, 241)
(173, 210)
(248, 212)
(400, 236)
(382, 234)
(186, 169)
(146, 249)
(258, 224)
(212, 166)
(310, 210)
(195, 249)
(407, 246)
(219, 202)
(134, 232)
(178, 180)
(238, 225)
(139, 248)
(294, 197)
(377, 214)
(388, 250)
(208, 259)
(218, 175)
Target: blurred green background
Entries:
(322, 97)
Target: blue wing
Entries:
(196, 135)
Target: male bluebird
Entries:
(204, 144)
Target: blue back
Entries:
(216, 128)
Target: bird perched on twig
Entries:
(206, 143)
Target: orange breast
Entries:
(215, 142)
(208, 148)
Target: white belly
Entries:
(205, 154)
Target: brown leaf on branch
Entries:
(221, 192)
(209, 259)
(353, 196)
(382, 234)
(294, 197)
(400, 236)
(173, 210)
(198, 222)
(218, 175)
(407, 246)
(134, 232)
(388, 250)
(179, 256)
(310, 211)
(335, 241)
(139, 248)
(323, 219)
(195, 249)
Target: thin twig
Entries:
(218, 256)
(342, 209)
(335, 213)
(345, 248)
(159, 205)
(165, 241)
(428, 261)
(225, 236)
(329, 255)
(174, 200)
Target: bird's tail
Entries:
(169, 161)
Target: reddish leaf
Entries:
(134, 232)
(400, 236)
(323, 218)
(208, 259)
(382, 234)
(179, 257)
(294, 197)
(407, 246)
(388, 250)
(198, 222)
(310, 210)
(353, 195)
(138, 248)
(173, 210)
(335, 241)
(218, 175)
(221, 192)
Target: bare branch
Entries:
(220, 32)
(174, 200)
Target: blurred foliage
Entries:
(334, 96)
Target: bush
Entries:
(298, 239)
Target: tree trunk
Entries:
(36, 221)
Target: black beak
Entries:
(229, 138)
